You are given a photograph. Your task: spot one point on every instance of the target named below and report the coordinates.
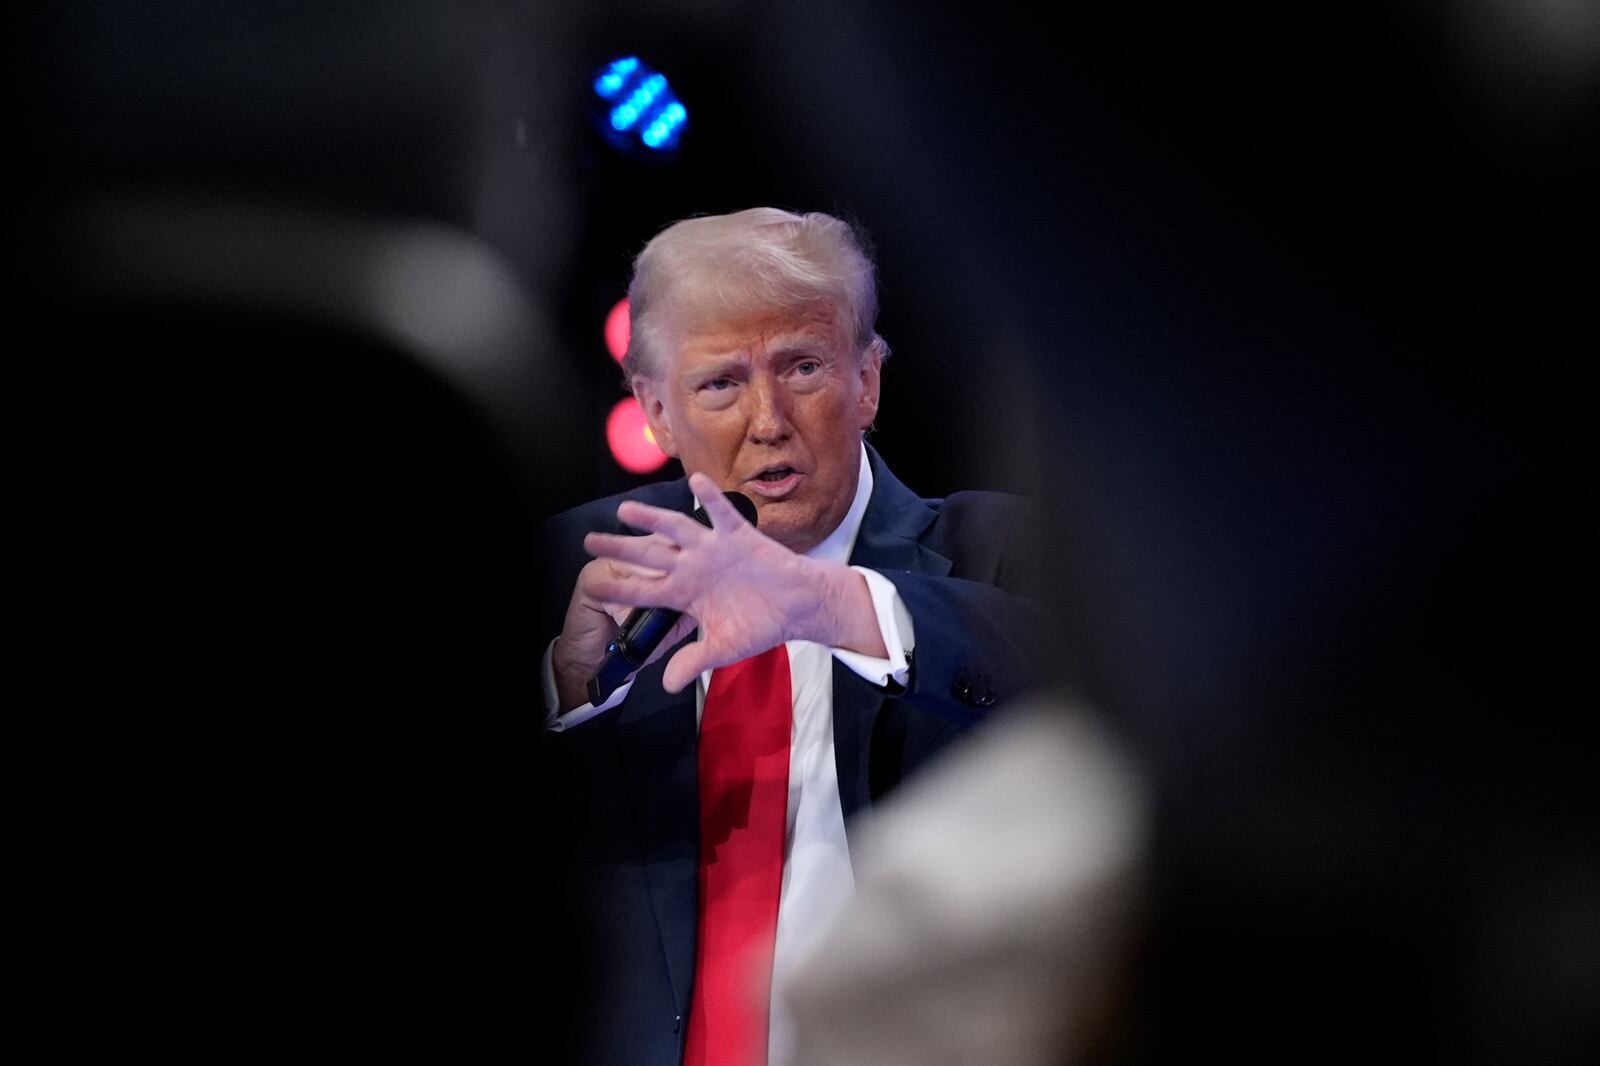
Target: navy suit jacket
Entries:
(626, 779)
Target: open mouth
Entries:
(775, 482)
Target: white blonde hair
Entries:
(719, 267)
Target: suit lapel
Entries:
(895, 519)
(657, 736)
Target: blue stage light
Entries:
(614, 74)
(649, 114)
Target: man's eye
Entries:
(718, 384)
(810, 366)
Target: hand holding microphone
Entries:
(645, 627)
(745, 591)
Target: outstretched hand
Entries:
(735, 583)
(744, 590)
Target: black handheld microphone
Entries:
(645, 627)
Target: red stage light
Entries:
(632, 444)
(617, 330)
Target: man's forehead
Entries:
(813, 326)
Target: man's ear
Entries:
(871, 378)
(648, 393)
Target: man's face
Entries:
(771, 405)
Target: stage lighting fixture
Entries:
(637, 108)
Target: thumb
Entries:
(690, 662)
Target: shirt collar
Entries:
(837, 546)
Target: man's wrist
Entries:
(838, 611)
(571, 680)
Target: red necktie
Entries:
(744, 801)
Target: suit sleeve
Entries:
(979, 628)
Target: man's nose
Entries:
(769, 411)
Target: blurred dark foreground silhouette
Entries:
(295, 424)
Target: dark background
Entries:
(1285, 315)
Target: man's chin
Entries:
(787, 523)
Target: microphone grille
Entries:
(741, 503)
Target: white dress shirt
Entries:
(816, 869)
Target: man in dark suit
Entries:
(755, 357)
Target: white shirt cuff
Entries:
(894, 623)
(554, 721)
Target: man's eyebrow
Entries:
(718, 365)
(799, 342)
